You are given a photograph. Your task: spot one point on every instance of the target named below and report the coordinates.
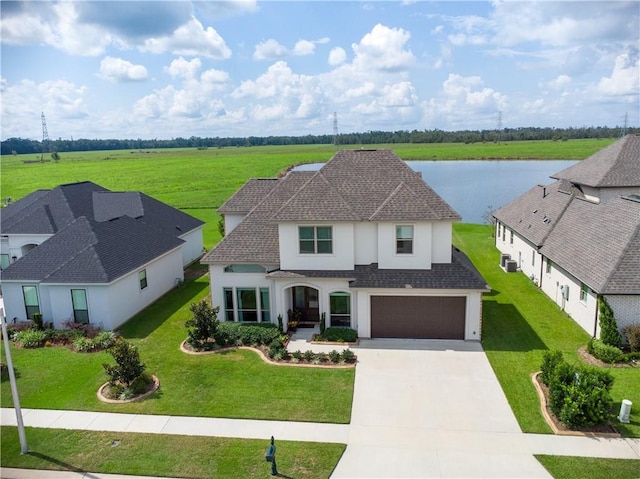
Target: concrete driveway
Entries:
(431, 409)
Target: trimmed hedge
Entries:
(243, 334)
(604, 352)
(340, 334)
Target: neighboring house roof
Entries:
(373, 185)
(88, 251)
(535, 213)
(459, 274)
(48, 211)
(599, 244)
(247, 197)
(617, 165)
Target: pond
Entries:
(472, 186)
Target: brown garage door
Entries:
(422, 317)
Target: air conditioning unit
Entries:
(511, 266)
(503, 258)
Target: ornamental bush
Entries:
(231, 333)
(202, 326)
(128, 367)
(30, 338)
(550, 360)
(608, 328)
(340, 334)
(604, 352)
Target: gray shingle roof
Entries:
(247, 197)
(366, 181)
(87, 251)
(617, 165)
(459, 274)
(535, 213)
(598, 244)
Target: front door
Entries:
(305, 299)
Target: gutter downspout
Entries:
(595, 322)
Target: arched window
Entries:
(340, 309)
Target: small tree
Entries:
(203, 325)
(221, 226)
(609, 333)
(128, 367)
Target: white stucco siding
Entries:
(231, 221)
(473, 307)
(14, 308)
(626, 310)
(441, 242)
(62, 305)
(366, 243)
(192, 246)
(521, 250)
(342, 257)
(422, 243)
(15, 243)
(582, 311)
(602, 195)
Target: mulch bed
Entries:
(587, 358)
(151, 388)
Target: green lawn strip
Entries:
(519, 324)
(165, 455)
(235, 384)
(571, 467)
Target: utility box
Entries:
(625, 411)
(503, 259)
(511, 266)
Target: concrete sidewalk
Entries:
(12, 473)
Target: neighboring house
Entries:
(81, 252)
(364, 240)
(578, 238)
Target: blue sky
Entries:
(164, 69)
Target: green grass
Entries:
(236, 384)
(570, 467)
(199, 181)
(519, 324)
(165, 455)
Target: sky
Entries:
(167, 69)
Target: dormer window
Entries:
(404, 239)
(315, 239)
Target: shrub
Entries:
(550, 360)
(604, 352)
(297, 355)
(632, 333)
(334, 356)
(341, 334)
(608, 328)
(275, 348)
(105, 339)
(86, 329)
(128, 367)
(84, 345)
(30, 338)
(348, 356)
(202, 326)
(309, 355)
(246, 334)
(37, 321)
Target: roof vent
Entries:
(535, 211)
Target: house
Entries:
(363, 241)
(81, 252)
(578, 238)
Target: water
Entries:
(472, 186)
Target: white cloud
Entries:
(383, 49)
(117, 69)
(184, 69)
(337, 56)
(560, 82)
(191, 39)
(269, 50)
(304, 47)
(625, 78)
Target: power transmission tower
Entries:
(499, 125)
(335, 129)
(626, 124)
(45, 137)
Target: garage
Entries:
(420, 317)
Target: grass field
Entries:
(199, 181)
(570, 467)
(166, 455)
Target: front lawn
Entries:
(234, 384)
(571, 467)
(519, 324)
(165, 455)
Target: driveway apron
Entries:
(425, 408)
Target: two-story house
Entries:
(578, 238)
(363, 240)
(83, 253)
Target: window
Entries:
(549, 266)
(80, 308)
(228, 304)
(247, 305)
(584, 292)
(31, 304)
(142, 276)
(404, 239)
(315, 239)
(264, 305)
(244, 268)
(4, 261)
(340, 309)
(504, 233)
(511, 237)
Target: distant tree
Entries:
(55, 156)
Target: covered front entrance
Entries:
(418, 317)
(305, 300)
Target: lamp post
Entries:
(14, 389)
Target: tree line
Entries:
(26, 146)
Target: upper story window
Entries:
(142, 277)
(404, 239)
(315, 239)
